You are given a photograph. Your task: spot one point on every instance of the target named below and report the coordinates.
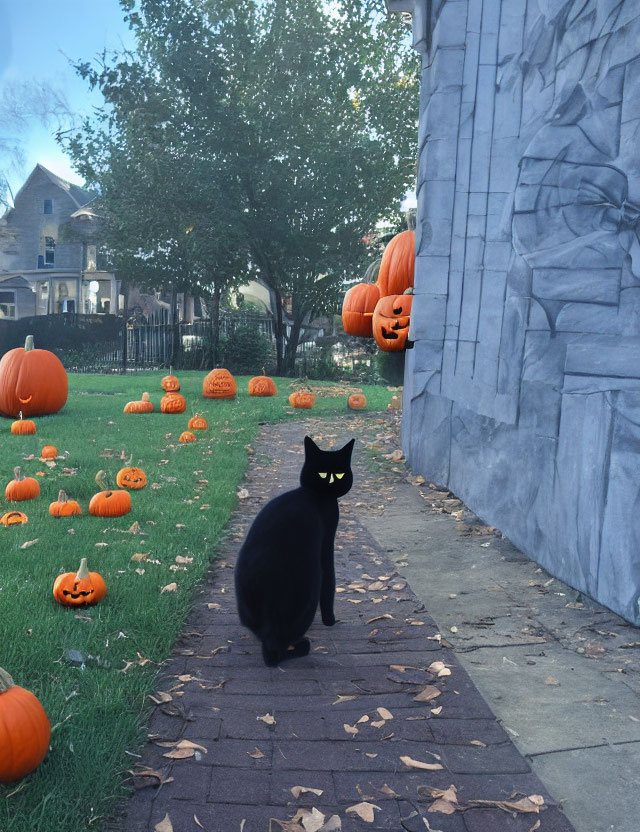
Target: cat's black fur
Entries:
(285, 565)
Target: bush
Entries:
(390, 366)
(247, 351)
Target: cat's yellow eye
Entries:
(339, 476)
(324, 476)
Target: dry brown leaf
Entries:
(296, 791)
(160, 696)
(350, 729)
(213, 606)
(268, 719)
(256, 753)
(384, 713)
(379, 617)
(551, 680)
(181, 559)
(535, 826)
(172, 587)
(378, 723)
(242, 494)
(364, 810)
(376, 585)
(427, 694)
(197, 822)
(436, 711)
(28, 543)
(479, 743)
(370, 755)
(410, 763)
(531, 803)
(165, 825)
(364, 718)
(341, 698)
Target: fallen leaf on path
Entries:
(341, 698)
(160, 696)
(479, 743)
(410, 763)
(268, 719)
(551, 680)
(197, 822)
(256, 753)
(165, 825)
(531, 803)
(350, 729)
(296, 791)
(379, 617)
(427, 694)
(384, 713)
(364, 810)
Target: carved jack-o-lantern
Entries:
(356, 401)
(187, 436)
(131, 477)
(173, 403)
(391, 322)
(13, 518)
(197, 423)
(302, 398)
(262, 386)
(32, 381)
(75, 589)
(142, 406)
(170, 384)
(219, 384)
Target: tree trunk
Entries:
(215, 324)
(174, 361)
(279, 332)
(291, 348)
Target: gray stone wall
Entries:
(522, 392)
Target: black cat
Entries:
(285, 566)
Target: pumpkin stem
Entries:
(6, 681)
(83, 571)
(17, 471)
(145, 397)
(62, 496)
(102, 480)
(28, 343)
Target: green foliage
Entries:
(247, 350)
(390, 366)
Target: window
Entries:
(48, 206)
(7, 304)
(49, 251)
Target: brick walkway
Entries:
(316, 722)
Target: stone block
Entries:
(497, 255)
(437, 161)
(595, 285)
(428, 317)
(488, 48)
(474, 253)
(454, 298)
(463, 164)
(431, 275)
(451, 26)
(505, 158)
(470, 73)
(448, 66)
(427, 355)
(470, 304)
(605, 356)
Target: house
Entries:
(50, 256)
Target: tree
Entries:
(279, 131)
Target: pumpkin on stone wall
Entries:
(397, 266)
(32, 381)
(357, 309)
(219, 384)
(391, 322)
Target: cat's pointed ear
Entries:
(309, 446)
(348, 448)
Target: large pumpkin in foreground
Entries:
(391, 322)
(32, 381)
(219, 384)
(357, 309)
(24, 730)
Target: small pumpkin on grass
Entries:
(303, 399)
(63, 506)
(21, 487)
(219, 384)
(187, 436)
(197, 422)
(173, 403)
(109, 503)
(131, 477)
(142, 406)
(13, 518)
(262, 386)
(357, 401)
(49, 452)
(170, 383)
(24, 730)
(75, 589)
(23, 426)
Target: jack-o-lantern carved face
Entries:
(187, 436)
(219, 384)
(262, 386)
(391, 320)
(32, 381)
(356, 401)
(173, 403)
(131, 478)
(74, 589)
(197, 423)
(13, 518)
(170, 384)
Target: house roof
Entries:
(80, 196)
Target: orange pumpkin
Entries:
(32, 381)
(143, 406)
(108, 503)
(170, 383)
(391, 322)
(24, 730)
(13, 518)
(302, 399)
(49, 452)
(131, 478)
(173, 403)
(23, 426)
(187, 436)
(21, 488)
(357, 309)
(397, 266)
(197, 423)
(64, 507)
(356, 401)
(81, 588)
(262, 386)
(219, 384)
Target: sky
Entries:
(37, 39)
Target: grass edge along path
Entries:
(93, 668)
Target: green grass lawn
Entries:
(98, 712)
